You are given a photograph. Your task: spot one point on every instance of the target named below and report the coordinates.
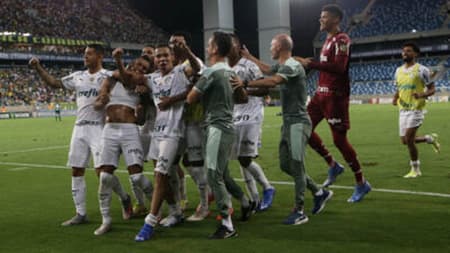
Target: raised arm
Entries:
(46, 77)
(265, 68)
(130, 79)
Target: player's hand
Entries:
(394, 101)
(236, 82)
(33, 62)
(117, 53)
(141, 89)
(165, 103)
(304, 61)
(101, 102)
(244, 52)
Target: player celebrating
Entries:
(296, 129)
(88, 125)
(331, 100)
(411, 79)
(168, 81)
(248, 119)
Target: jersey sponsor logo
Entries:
(88, 93)
(334, 121)
(323, 58)
(162, 93)
(407, 87)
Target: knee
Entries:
(245, 161)
(134, 169)
(77, 172)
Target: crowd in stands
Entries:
(21, 86)
(107, 20)
(407, 15)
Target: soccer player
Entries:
(168, 81)
(296, 129)
(331, 100)
(411, 79)
(57, 112)
(247, 120)
(88, 125)
(217, 95)
(193, 159)
(121, 136)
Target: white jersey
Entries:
(87, 87)
(252, 111)
(123, 96)
(169, 122)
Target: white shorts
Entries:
(410, 119)
(85, 141)
(121, 138)
(194, 142)
(246, 141)
(164, 151)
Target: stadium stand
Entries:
(21, 86)
(407, 15)
(108, 20)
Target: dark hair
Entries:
(413, 45)
(99, 49)
(223, 42)
(187, 36)
(146, 58)
(334, 9)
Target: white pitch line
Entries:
(433, 194)
(33, 149)
(19, 169)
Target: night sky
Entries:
(187, 15)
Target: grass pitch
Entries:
(35, 195)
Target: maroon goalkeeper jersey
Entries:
(334, 65)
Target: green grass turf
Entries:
(35, 200)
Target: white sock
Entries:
(79, 194)
(151, 220)
(250, 184)
(141, 185)
(228, 223)
(259, 175)
(429, 138)
(117, 187)
(105, 195)
(415, 165)
(199, 176)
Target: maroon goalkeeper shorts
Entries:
(333, 108)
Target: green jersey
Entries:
(217, 96)
(293, 90)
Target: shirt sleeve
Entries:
(286, 72)
(425, 75)
(69, 81)
(204, 83)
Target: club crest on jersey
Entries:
(343, 48)
(334, 121)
